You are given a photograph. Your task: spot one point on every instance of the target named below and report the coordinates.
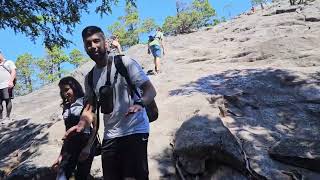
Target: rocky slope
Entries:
(248, 83)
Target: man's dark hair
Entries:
(90, 30)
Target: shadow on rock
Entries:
(299, 152)
(204, 148)
(166, 165)
(34, 173)
(261, 107)
(18, 141)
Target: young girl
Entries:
(68, 161)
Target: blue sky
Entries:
(14, 45)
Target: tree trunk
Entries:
(23, 88)
(59, 71)
(178, 7)
(30, 88)
(51, 71)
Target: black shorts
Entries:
(125, 157)
(4, 93)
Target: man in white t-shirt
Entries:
(7, 76)
(126, 126)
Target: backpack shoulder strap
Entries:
(124, 73)
(90, 79)
(90, 83)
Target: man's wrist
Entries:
(81, 126)
(139, 102)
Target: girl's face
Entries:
(67, 93)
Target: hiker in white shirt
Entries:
(7, 77)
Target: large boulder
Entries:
(203, 142)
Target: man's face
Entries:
(95, 47)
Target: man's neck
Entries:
(103, 62)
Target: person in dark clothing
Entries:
(70, 159)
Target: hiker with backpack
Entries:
(76, 154)
(7, 82)
(156, 47)
(114, 86)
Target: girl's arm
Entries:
(57, 162)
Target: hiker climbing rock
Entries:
(156, 47)
(70, 159)
(7, 81)
(126, 124)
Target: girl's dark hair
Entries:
(74, 85)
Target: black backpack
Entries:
(152, 109)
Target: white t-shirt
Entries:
(116, 124)
(5, 73)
